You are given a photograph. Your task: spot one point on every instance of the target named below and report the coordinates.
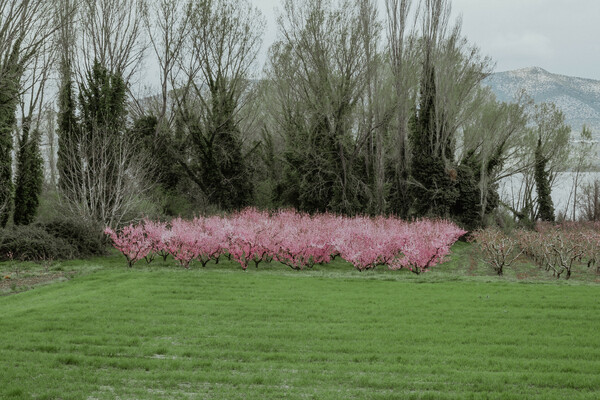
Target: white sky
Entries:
(561, 36)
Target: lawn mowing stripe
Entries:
(167, 334)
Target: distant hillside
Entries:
(579, 98)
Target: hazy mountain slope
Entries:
(579, 98)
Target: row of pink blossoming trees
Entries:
(297, 240)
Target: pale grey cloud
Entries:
(527, 48)
(562, 36)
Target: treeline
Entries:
(357, 110)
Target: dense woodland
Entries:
(357, 110)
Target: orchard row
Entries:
(297, 240)
(557, 248)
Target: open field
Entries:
(165, 333)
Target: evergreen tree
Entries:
(102, 110)
(467, 208)
(96, 152)
(11, 71)
(68, 160)
(6, 185)
(227, 170)
(7, 121)
(542, 182)
(102, 102)
(309, 180)
(433, 189)
(157, 143)
(267, 170)
(209, 149)
(30, 177)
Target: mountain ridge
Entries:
(578, 98)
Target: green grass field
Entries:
(161, 332)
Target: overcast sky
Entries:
(561, 36)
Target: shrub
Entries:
(86, 238)
(33, 243)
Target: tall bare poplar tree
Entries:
(451, 74)
(112, 34)
(404, 66)
(29, 174)
(223, 41)
(488, 145)
(167, 23)
(67, 132)
(24, 28)
(432, 181)
(320, 68)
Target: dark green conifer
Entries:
(542, 182)
(30, 177)
(68, 160)
(433, 189)
(11, 71)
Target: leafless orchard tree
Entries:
(589, 201)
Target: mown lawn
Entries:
(166, 333)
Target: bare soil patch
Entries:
(11, 283)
